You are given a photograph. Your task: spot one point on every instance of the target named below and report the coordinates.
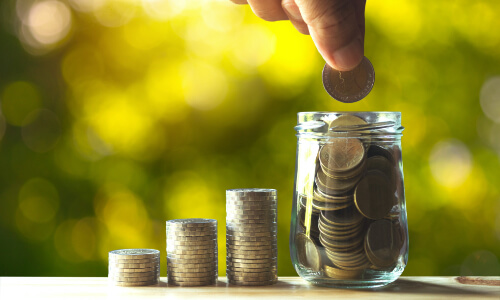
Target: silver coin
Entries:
(143, 283)
(134, 253)
(131, 274)
(134, 271)
(134, 266)
(189, 260)
(253, 191)
(270, 261)
(132, 279)
(349, 86)
(252, 283)
(133, 261)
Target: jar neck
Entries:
(366, 125)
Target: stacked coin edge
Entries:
(251, 236)
(134, 267)
(192, 252)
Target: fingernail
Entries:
(348, 57)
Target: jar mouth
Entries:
(318, 124)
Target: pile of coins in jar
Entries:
(192, 252)
(251, 236)
(349, 214)
(134, 267)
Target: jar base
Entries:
(370, 282)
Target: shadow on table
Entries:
(404, 286)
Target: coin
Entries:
(382, 243)
(143, 283)
(348, 123)
(133, 261)
(346, 216)
(342, 274)
(134, 253)
(349, 86)
(191, 284)
(131, 274)
(251, 192)
(375, 150)
(194, 222)
(373, 196)
(135, 266)
(342, 155)
(190, 260)
(254, 261)
(195, 244)
(237, 233)
(198, 274)
(307, 252)
(192, 265)
(258, 283)
(133, 279)
(124, 270)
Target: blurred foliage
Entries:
(117, 115)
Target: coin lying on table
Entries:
(349, 86)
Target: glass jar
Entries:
(349, 226)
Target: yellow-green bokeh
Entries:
(117, 115)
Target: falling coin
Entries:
(349, 86)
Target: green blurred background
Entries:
(117, 115)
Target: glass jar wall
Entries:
(349, 226)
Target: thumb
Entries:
(337, 29)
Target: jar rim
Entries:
(395, 113)
(377, 123)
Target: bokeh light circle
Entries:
(490, 98)
(450, 162)
(49, 21)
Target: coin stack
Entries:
(134, 267)
(353, 205)
(251, 236)
(192, 252)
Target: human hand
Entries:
(337, 27)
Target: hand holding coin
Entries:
(337, 27)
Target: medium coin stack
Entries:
(251, 236)
(134, 267)
(192, 252)
(354, 206)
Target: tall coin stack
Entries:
(251, 236)
(192, 252)
(134, 267)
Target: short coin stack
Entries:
(251, 236)
(192, 252)
(134, 267)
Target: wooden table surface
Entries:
(287, 287)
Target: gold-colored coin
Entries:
(252, 283)
(382, 243)
(337, 273)
(271, 261)
(375, 150)
(333, 186)
(349, 86)
(347, 216)
(373, 195)
(307, 252)
(341, 155)
(322, 197)
(382, 164)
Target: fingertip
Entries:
(347, 57)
